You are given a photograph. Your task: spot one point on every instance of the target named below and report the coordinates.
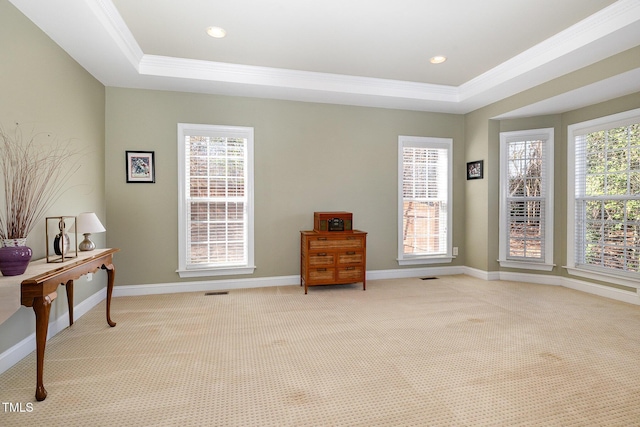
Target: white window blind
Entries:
(607, 198)
(216, 199)
(425, 194)
(526, 189)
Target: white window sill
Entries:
(630, 282)
(223, 271)
(526, 265)
(425, 260)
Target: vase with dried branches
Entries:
(34, 170)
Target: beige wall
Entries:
(476, 242)
(308, 157)
(45, 90)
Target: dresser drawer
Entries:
(322, 275)
(350, 257)
(354, 273)
(321, 258)
(331, 242)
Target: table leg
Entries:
(69, 288)
(111, 273)
(41, 307)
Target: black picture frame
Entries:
(475, 170)
(141, 167)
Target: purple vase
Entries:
(14, 257)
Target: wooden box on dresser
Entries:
(332, 258)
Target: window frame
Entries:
(188, 129)
(435, 143)
(547, 136)
(626, 279)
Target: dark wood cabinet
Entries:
(331, 258)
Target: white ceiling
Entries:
(354, 52)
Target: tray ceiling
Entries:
(357, 52)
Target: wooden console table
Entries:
(40, 290)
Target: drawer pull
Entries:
(322, 238)
(351, 268)
(322, 254)
(322, 269)
(351, 238)
(351, 252)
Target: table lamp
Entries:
(87, 223)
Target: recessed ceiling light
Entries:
(438, 59)
(216, 32)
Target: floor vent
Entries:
(216, 293)
(428, 278)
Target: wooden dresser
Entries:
(330, 258)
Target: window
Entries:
(424, 200)
(526, 199)
(215, 218)
(604, 199)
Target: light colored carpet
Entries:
(455, 351)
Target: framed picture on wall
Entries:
(475, 169)
(140, 166)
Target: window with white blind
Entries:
(604, 199)
(424, 200)
(526, 199)
(215, 217)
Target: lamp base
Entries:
(86, 244)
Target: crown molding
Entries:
(107, 14)
(293, 79)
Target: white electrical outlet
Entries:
(455, 251)
(89, 277)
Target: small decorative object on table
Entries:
(333, 221)
(61, 245)
(14, 257)
(87, 223)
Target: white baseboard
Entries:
(203, 286)
(18, 352)
(630, 297)
(25, 347)
(403, 273)
(481, 274)
(221, 285)
(539, 279)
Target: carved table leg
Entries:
(41, 307)
(111, 272)
(69, 287)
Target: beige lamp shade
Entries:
(88, 223)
